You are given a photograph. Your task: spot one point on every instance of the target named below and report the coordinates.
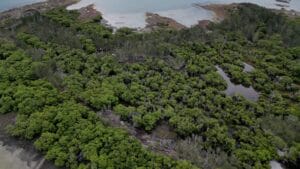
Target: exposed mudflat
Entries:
(162, 139)
(155, 20)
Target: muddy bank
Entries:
(221, 11)
(155, 21)
(89, 13)
(36, 7)
(161, 140)
(16, 153)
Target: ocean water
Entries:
(8, 4)
(131, 13)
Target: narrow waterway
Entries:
(233, 89)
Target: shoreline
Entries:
(220, 10)
(153, 20)
(16, 13)
(22, 151)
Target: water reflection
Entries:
(233, 89)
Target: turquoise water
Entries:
(8, 4)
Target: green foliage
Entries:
(257, 22)
(163, 76)
(294, 154)
(29, 99)
(62, 16)
(123, 111)
(100, 98)
(69, 131)
(88, 45)
(6, 48)
(31, 40)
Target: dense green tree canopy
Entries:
(59, 73)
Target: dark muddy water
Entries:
(233, 89)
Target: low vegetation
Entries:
(57, 72)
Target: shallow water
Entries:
(275, 165)
(18, 158)
(16, 153)
(233, 89)
(131, 13)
